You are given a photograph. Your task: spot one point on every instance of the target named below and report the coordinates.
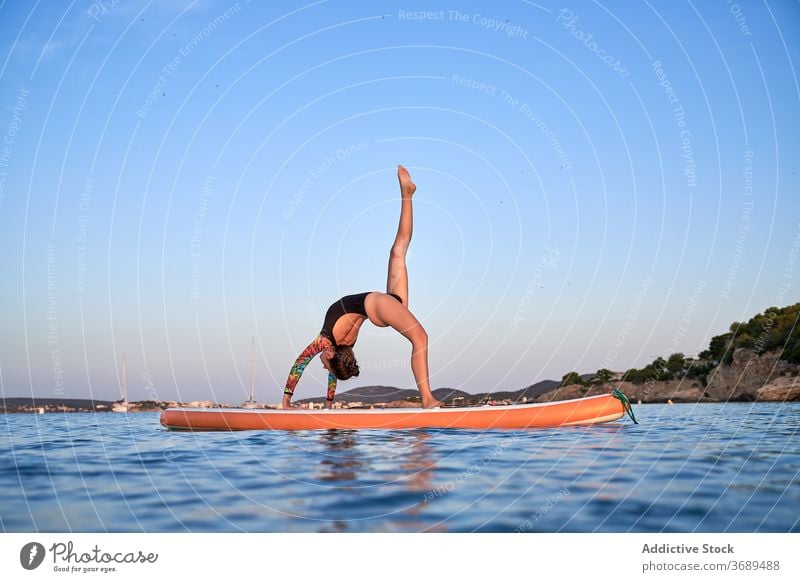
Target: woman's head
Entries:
(343, 363)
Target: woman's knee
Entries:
(398, 251)
(419, 336)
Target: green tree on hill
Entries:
(632, 375)
(716, 348)
(699, 369)
(775, 329)
(571, 378)
(659, 368)
(676, 364)
(603, 375)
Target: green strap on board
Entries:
(626, 404)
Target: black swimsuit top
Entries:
(347, 304)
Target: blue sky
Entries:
(598, 184)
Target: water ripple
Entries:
(731, 467)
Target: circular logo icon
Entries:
(31, 555)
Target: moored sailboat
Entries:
(122, 405)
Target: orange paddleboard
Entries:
(590, 410)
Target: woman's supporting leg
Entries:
(419, 366)
(388, 311)
(397, 279)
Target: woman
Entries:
(345, 317)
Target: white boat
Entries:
(122, 405)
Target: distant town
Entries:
(363, 397)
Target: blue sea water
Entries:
(686, 468)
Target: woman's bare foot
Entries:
(286, 404)
(407, 187)
(432, 403)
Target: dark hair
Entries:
(343, 363)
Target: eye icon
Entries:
(31, 555)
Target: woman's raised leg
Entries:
(397, 282)
(397, 279)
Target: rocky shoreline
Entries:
(750, 377)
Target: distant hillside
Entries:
(537, 389)
(365, 394)
(373, 394)
(531, 392)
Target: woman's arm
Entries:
(315, 347)
(331, 389)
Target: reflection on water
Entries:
(339, 464)
(409, 459)
(404, 459)
(419, 465)
(733, 467)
